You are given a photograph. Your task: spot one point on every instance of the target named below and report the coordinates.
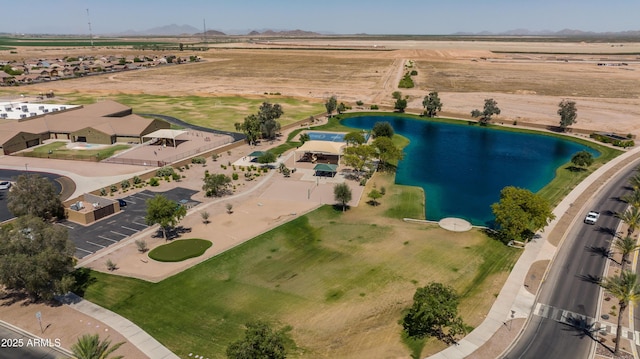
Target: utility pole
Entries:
(204, 31)
(90, 32)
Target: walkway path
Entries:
(134, 334)
(515, 301)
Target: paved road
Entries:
(564, 318)
(15, 345)
(129, 221)
(10, 175)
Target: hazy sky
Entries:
(337, 16)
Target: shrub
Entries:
(125, 184)
(229, 207)
(142, 245)
(103, 192)
(414, 72)
(137, 180)
(199, 160)
(234, 176)
(186, 166)
(374, 107)
(406, 82)
(165, 171)
(110, 265)
(214, 157)
(363, 182)
(383, 190)
(359, 103)
(113, 188)
(176, 176)
(154, 182)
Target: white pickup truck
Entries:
(592, 217)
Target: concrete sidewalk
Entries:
(134, 334)
(514, 300)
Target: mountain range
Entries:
(188, 30)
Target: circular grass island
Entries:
(180, 250)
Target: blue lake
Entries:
(462, 168)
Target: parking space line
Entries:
(64, 225)
(111, 222)
(140, 224)
(120, 234)
(109, 239)
(84, 250)
(146, 194)
(130, 201)
(142, 199)
(96, 244)
(131, 229)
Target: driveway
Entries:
(129, 221)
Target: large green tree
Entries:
(267, 157)
(434, 313)
(387, 151)
(568, 113)
(631, 217)
(520, 213)
(432, 104)
(400, 105)
(260, 342)
(354, 138)
(263, 125)
(35, 195)
(582, 159)
(216, 185)
(91, 347)
(342, 193)
(358, 157)
(626, 289)
(36, 257)
(165, 212)
(382, 129)
(331, 105)
(490, 108)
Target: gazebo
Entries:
(165, 134)
(322, 169)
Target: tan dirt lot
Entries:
(528, 87)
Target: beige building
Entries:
(105, 122)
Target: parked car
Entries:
(592, 217)
(122, 202)
(4, 185)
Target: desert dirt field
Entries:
(527, 83)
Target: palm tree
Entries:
(633, 198)
(626, 246)
(627, 290)
(632, 218)
(635, 181)
(91, 347)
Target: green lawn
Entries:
(180, 249)
(214, 112)
(58, 150)
(321, 264)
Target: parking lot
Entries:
(129, 221)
